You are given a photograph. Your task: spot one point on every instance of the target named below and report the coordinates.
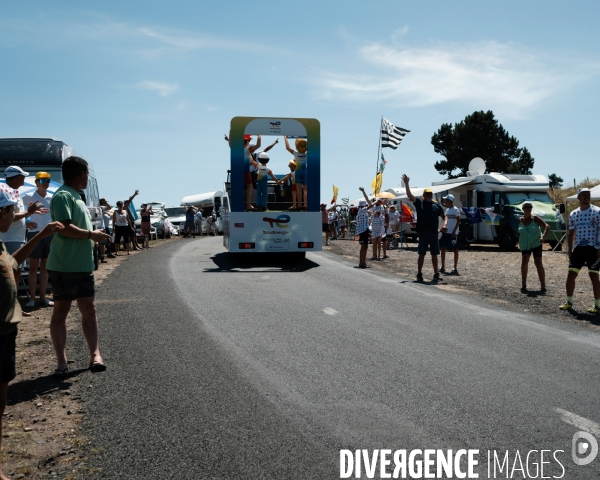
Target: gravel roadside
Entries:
(492, 275)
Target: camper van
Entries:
(209, 202)
(491, 204)
(47, 155)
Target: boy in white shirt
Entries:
(39, 255)
(450, 233)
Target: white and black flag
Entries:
(391, 136)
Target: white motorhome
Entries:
(209, 202)
(496, 199)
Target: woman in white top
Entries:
(121, 226)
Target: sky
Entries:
(146, 90)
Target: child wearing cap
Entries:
(10, 309)
(39, 256)
(262, 180)
(292, 178)
(450, 233)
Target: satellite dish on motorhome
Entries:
(477, 165)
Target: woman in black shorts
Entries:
(121, 226)
(530, 242)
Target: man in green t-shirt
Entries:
(71, 264)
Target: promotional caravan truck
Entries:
(278, 229)
(491, 204)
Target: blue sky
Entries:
(146, 90)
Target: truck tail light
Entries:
(306, 244)
(247, 246)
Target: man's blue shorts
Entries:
(448, 242)
(428, 240)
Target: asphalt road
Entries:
(263, 370)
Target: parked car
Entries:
(156, 220)
(176, 216)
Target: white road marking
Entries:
(581, 423)
(330, 311)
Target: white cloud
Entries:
(163, 89)
(400, 32)
(503, 76)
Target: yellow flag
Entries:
(376, 183)
(335, 194)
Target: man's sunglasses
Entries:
(44, 181)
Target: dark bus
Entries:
(46, 155)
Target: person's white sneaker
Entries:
(326, 244)
(47, 303)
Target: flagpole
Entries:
(379, 149)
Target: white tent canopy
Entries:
(595, 194)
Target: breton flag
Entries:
(391, 136)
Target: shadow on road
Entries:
(593, 318)
(225, 262)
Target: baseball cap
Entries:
(247, 137)
(42, 175)
(7, 196)
(449, 197)
(427, 190)
(13, 171)
(581, 190)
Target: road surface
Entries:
(263, 370)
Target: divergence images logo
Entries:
(584, 449)
(281, 221)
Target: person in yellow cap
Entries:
(428, 213)
(39, 255)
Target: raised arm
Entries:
(254, 148)
(409, 194)
(271, 146)
(287, 146)
(369, 203)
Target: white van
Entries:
(209, 202)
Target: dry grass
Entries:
(559, 194)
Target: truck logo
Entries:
(275, 124)
(281, 221)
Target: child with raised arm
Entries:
(291, 177)
(300, 155)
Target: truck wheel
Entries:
(507, 240)
(298, 257)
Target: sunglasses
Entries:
(44, 181)
(527, 207)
